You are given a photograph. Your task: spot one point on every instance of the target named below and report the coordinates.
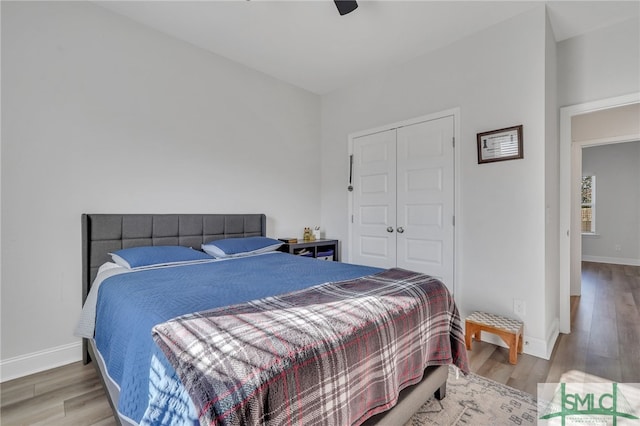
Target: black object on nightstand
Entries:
(320, 249)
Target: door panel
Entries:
(374, 171)
(375, 184)
(424, 215)
(425, 179)
(375, 249)
(423, 252)
(425, 195)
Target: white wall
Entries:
(497, 78)
(100, 114)
(599, 65)
(617, 171)
(619, 123)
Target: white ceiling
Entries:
(308, 44)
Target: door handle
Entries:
(389, 229)
(400, 230)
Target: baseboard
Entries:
(552, 336)
(35, 362)
(612, 260)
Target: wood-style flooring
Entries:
(605, 342)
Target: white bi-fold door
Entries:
(403, 198)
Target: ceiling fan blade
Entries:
(346, 6)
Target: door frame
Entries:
(570, 170)
(455, 112)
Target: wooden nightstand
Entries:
(321, 249)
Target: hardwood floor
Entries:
(68, 395)
(605, 342)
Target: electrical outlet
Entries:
(618, 247)
(519, 307)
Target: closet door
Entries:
(374, 200)
(425, 198)
(403, 199)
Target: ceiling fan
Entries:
(346, 6)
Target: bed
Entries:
(141, 317)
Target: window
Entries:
(588, 211)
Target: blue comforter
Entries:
(129, 305)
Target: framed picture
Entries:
(500, 145)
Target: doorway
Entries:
(611, 193)
(570, 177)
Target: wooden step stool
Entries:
(510, 330)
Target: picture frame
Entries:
(500, 145)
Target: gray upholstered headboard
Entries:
(105, 233)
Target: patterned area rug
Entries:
(474, 400)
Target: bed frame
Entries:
(105, 233)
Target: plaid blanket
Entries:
(337, 353)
